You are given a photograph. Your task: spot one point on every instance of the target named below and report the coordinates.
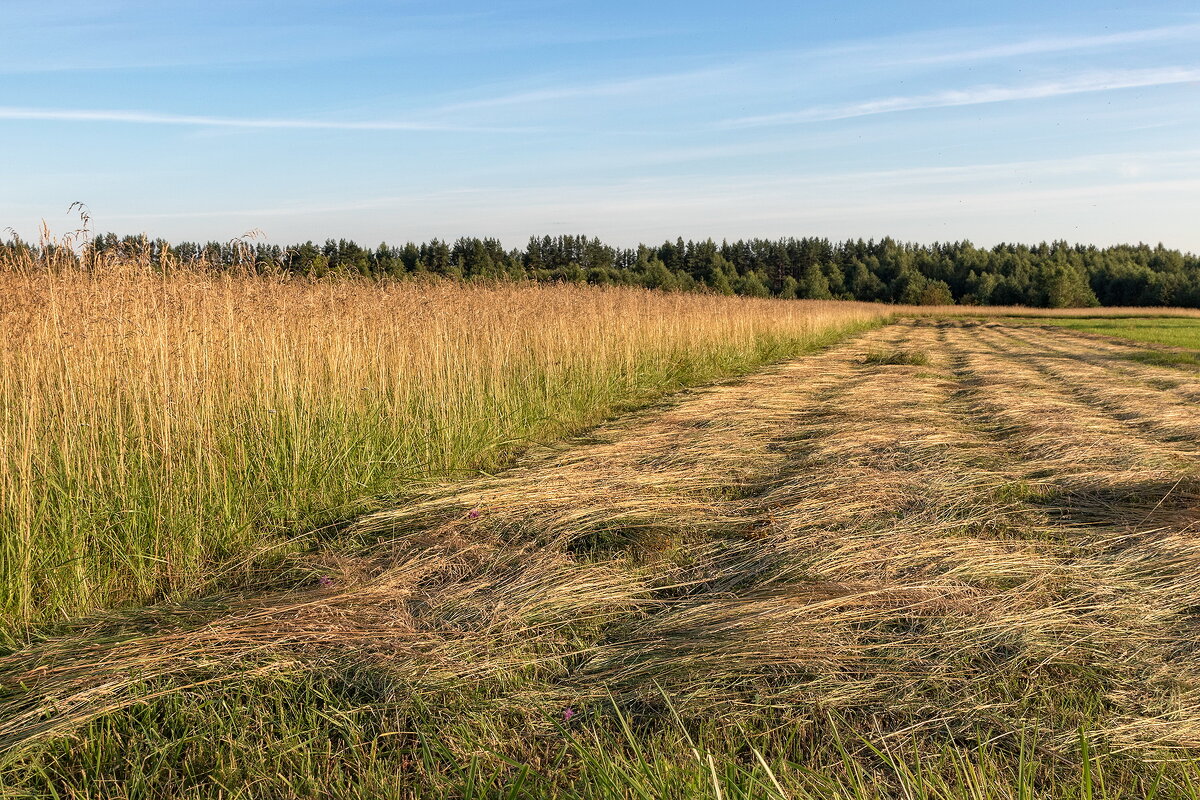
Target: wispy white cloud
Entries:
(978, 95)
(201, 121)
(614, 88)
(1060, 44)
(887, 53)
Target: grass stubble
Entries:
(947, 560)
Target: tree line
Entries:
(1053, 275)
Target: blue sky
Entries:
(633, 121)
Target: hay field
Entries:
(164, 437)
(942, 559)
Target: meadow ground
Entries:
(941, 559)
(1173, 332)
(1181, 335)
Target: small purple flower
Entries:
(568, 713)
(473, 513)
(324, 581)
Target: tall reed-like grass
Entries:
(162, 434)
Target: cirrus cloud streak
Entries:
(1080, 84)
(192, 120)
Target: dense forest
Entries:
(1049, 275)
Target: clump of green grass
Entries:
(1022, 491)
(899, 357)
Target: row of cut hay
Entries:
(1124, 497)
(1162, 405)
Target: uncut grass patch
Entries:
(164, 435)
(1170, 331)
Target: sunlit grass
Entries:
(167, 435)
(1173, 332)
(318, 738)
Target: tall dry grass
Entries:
(162, 434)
